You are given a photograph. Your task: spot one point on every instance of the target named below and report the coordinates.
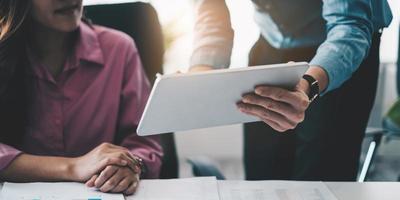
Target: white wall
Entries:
(389, 46)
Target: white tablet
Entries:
(180, 102)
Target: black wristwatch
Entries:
(314, 87)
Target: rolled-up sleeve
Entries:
(134, 95)
(213, 34)
(7, 155)
(349, 33)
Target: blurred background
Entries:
(224, 145)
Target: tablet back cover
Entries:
(200, 100)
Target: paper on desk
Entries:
(274, 190)
(53, 191)
(202, 188)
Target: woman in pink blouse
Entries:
(71, 96)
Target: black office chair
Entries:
(389, 130)
(140, 21)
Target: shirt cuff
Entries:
(211, 57)
(7, 155)
(151, 161)
(336, 74)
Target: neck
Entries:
(51, 47)
(49, 43)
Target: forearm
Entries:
(213, 36)
(30, 168)
(349, 31)
(340, 58)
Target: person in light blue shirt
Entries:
(314, 131)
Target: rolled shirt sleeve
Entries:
(135, 92)
(7, 155)
(213, 36)
(349, 33)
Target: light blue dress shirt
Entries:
(343, 30)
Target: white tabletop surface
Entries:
(361, 191)
(365, 191)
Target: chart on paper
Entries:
(54, 191)
(274, 190)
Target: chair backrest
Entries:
(140, 21)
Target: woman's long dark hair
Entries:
(14, 67)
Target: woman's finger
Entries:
(112, 182)
(122, 186)
(107, 161)
(131, 161)
(106, 174)
(90, 182)
(118, 149)
(115, 151)
(132, 188)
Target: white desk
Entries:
(361, 191)
(365, 191)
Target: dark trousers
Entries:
(327, 145)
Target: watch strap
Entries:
(314, 87)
